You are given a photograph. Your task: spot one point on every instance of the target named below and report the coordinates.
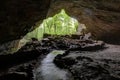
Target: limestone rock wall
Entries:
(18, 16)
(102, 17)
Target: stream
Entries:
(49, 71)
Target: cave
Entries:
(60, 40)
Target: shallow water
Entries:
(48, 70)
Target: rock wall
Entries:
(102, 17)
(18, 16)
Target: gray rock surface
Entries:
(95, 65)
(18, 16)
(101, 17)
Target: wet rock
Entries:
(73, 43)
(20, 65)
(64, 62)
(14, 76)
(19, 72)
(86, 68)
(35, 49)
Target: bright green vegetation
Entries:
(60, 24)
(57, 52)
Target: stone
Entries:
(100, 17)
(18, 17)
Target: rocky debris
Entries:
(35, 49)
(87, 68)
(68, 42)
(19, 72)
(30, 51)
(19, 66)
(14, 76)
(73, 42)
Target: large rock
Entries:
(102, 17)
(98, 65)
(18, 16)
(20, 65)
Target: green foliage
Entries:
(60, 24)
(57, 52)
